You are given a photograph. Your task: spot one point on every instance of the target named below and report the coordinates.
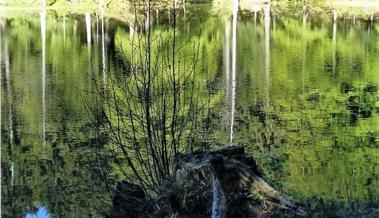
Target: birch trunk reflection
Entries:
(10, 102)
(334, 43)
(103, 66)
(43, 73)
(267, 21)
(227, 60)
(88, 30)
(64, 27)
(305, 15)
(234, 68)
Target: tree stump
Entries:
(217, 184)
(224, 183)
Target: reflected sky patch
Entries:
(41, 213)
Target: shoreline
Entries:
(361, 10)
(354, 4)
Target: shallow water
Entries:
(300, 94)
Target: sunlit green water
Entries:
(304, 102)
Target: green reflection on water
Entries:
(306, 104)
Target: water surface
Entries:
(300, 94)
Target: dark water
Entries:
(301, 95)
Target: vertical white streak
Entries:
(334, 39)
(234, 67)
(43, 72)
(157, 15)
(75, 26)
(184, 8)
(148, 20)
(1, 98)
(267, 52)
(9, 93)
(88, 29)
(304, 19)
(97, 29)
(334, 45)
(304, 49)
(64, 27)
(10, 105)
(227, 59)
(372, 18)
(12, 173)
(103, 45)
(102, 3)
(132, 31)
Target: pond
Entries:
(300, 94)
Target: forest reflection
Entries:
(301, 95)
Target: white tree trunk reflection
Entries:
(1, 82)
(334, 43)
(304, 49)
(10, 103)
(103, 45)
(267, 21)
(64, 27)
(9, 92)
(227, 60)
(234, 68)
(43, 72)
(88, 30)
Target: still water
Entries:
(300, 94)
